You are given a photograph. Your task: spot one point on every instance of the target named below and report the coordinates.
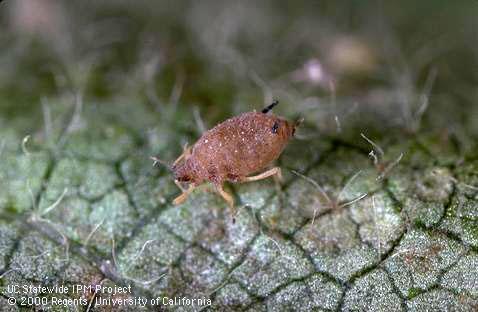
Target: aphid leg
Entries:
(274, 171)
(181, 198)
(186, 153)
(228, 198)
(178, 184)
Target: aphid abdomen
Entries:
(239, 147)
(258, 145)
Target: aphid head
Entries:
(284, 128)
(183, 173)
(179, 171)
(281, 126)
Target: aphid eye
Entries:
(275, 127)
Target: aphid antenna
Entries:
(156, 161)
(270, 107)
(299, 121)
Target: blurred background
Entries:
(89, 90)
(389, 67)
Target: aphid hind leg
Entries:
(227, 197)
(181, 198)
(273, 171)
(185, 155)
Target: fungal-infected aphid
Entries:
(233, 151)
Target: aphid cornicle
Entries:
(232, 151)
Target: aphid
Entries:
(232, 151)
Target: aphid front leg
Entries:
(181, 198)
(185, 155)
(178, 184)
(274, 171)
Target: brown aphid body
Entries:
(233, 150)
